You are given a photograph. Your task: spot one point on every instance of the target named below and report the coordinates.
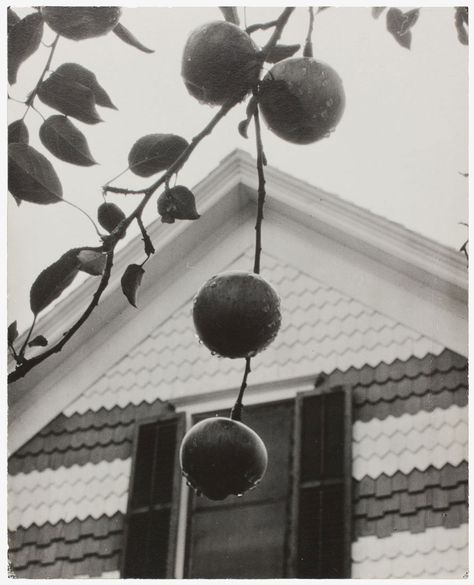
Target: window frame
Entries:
(296, 473)
(175, 490)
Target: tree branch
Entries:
(29, 364)
(111, 240)
(261, 192)
(31, 98)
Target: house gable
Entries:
(417, 282)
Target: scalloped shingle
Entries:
(322, 330)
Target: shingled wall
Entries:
(68, 485)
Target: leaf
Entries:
(53, 281)
(131, 280)
(154, 153)
(12, 19)
(230, 14)
(377, 11)
(74, 72)
(31, 177)
(12, 332)
(18, 132)
(59, 135)
(399, 24)
(109, 216)
(461, 21)
(177, 203)
(280, 52)
(92, 261)
(69, 97)
(38, 341)
(23, 40)
(126, 36)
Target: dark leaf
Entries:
(69, 97)
(31, 177)
(230, 14)
(109, 216)
(243, 128)
(154, 153)
(280, 52)
(18, 132)
(59, 135)
(399, 24)
(23, 40)
(321, 8)
(461, 22)
(131, 280)
(126, 36)
(92, 261)
(53, 280)
(12, 332)
(177, 203)
(377, 11)
(250, 111)
(12, 19)
(38, 341)
(73, 72)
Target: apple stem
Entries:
(236, 412)
(308, 47)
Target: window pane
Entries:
(239, 542)
(246, 537)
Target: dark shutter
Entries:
(247, 537)
(153, 501)
(322, 489)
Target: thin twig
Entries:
(29, 364)
(261, 26)
(31, 97)
(236, 412)
(261, 193)
(149, 248)
(308, 47)
(25, 344)
(84, 213)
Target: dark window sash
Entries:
(167, 511)
(319, 481)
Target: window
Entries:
(296, 523)
(150, 532)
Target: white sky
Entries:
(397, 150)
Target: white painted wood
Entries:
(435, 553)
